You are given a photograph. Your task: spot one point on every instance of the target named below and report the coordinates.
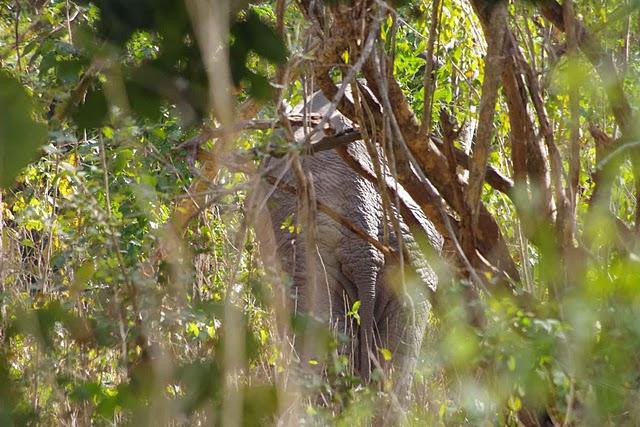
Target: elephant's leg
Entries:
(345, 331)
(362, 265)
(401, 325)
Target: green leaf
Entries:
(20, 134)
(264, 40)
(144, 102)
(193, 329)
(107, 406)
(121, 161)
(386, 353)
(260, 404)
(260, 87)
(92, 113)
(47, 62)
(85, 391)
(27, 243)
(83, 275)
(354, 311)
(68, 70)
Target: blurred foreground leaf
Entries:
(20, 134)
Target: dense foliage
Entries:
(131, 286)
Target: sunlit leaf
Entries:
(386, 353)
(20, 133)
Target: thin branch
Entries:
(351, 74)
(404, 150)
(209, 133)
(574, 139)
(334, 215)
(36, 26)
(494, 28)
(425, 127)
(389, 184)
(494, 177)
(432, 163)
(604, 144)
(555, 160)
(599, 58)
(16, 30)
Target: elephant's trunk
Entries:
(367, 333)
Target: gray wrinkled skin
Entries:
(349, 268)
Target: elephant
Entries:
(391, 319)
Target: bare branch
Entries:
(599, 58)
(494, 28)
(569, 225)
(351, 74)
(555, 160)
(604, 145)
(425, 127)
(429, 159)
(340, 219)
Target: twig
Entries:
(494, 177)
(427, 185)
(425, 127)
(527, 153)
(599, 58)
(16, 30)
(555, 160)
(209, 133)
(494, 26)
(288, 188)
(351, 74)
(574, 141)
(619, 151)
